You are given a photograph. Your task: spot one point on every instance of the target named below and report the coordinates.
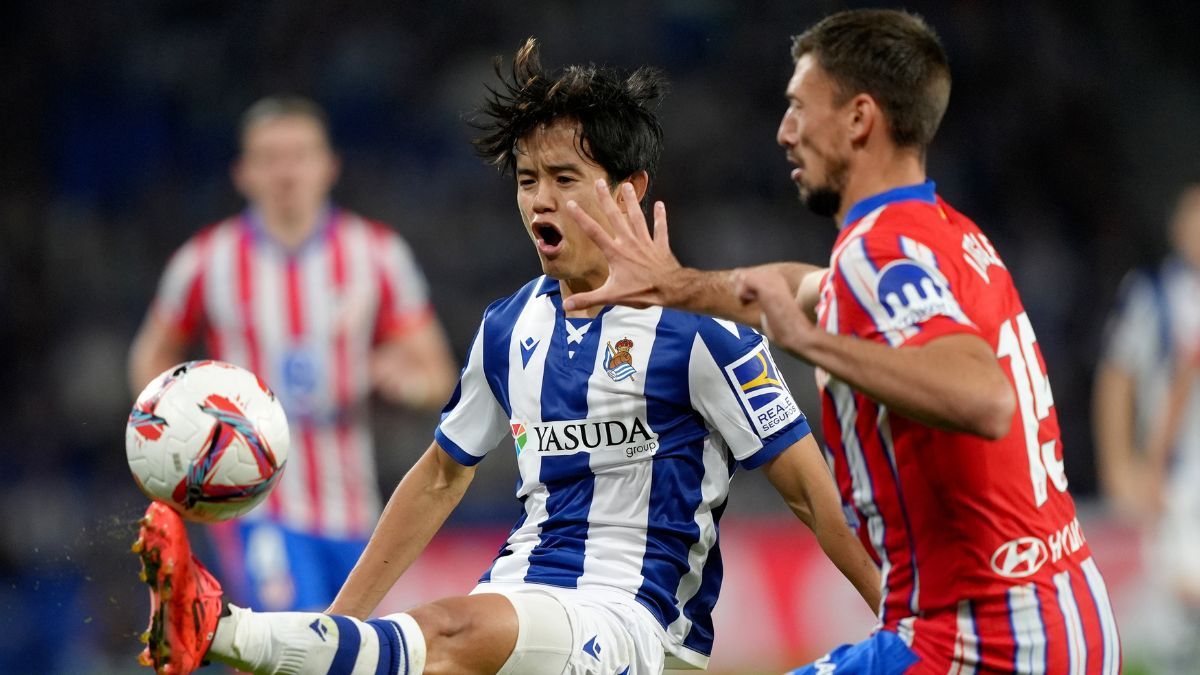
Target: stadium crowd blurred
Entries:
(1070, 132)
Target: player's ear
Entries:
(863, 115)
(640, 181)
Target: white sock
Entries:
(310, 643)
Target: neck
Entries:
(897, 168)
(291, 229)
(569, 287)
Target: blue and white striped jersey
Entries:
(627, 429)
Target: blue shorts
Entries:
(884, 653)
(266, 566)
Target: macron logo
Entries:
(319, 628)
(528, 347)
(592, 648)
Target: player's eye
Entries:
(565, 180)
(526, 182)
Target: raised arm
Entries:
(802, 478)
(952, 382)
(643, 271)
(418, 507)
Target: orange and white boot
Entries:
(185, 599)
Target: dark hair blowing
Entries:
(618, 130)
(893, 56)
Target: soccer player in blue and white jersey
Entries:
(626, 424)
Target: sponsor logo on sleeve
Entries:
(762, 392)
(912, 293)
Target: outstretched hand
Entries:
(783, 321)
(638, 262)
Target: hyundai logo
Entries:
(1021, 557)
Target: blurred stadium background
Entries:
(1070, 129)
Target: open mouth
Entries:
(549, 238)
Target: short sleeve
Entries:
(473, 422)
(738, 390)
(1133, 334)
(179, 300)
(896, 290)
(404, 293)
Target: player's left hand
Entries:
(396, 378)
(783, 321)
(638, 262)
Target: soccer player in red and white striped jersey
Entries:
(938, 413)
(326, 307)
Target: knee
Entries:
(465, 635)
(440, 623)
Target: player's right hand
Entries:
(783, 321)
(640, 264)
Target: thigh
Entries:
(577, 634)
(610, 641)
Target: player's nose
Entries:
(786, 131)
(543, 200)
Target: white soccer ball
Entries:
(207, 438)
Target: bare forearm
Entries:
(417, 509)
(955, 389)
(1113, 407)
(840, 545)
(714, 292)
(802, 478)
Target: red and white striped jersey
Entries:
(306, 320)
(984, 564)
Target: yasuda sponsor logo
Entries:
(763, 394)
(629, 437)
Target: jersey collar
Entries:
(546, 285)
(924, 192)
(325, 221)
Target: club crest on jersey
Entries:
(762, 392)
(912, 293)
(618, 363)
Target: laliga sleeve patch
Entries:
(762, 392)
(912, 293)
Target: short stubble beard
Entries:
(826, 200)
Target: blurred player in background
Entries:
(938, 413)
(1147, 428)
(326, 307)
(627, 426)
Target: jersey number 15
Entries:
(1034, 400)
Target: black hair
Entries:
(618, 129)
